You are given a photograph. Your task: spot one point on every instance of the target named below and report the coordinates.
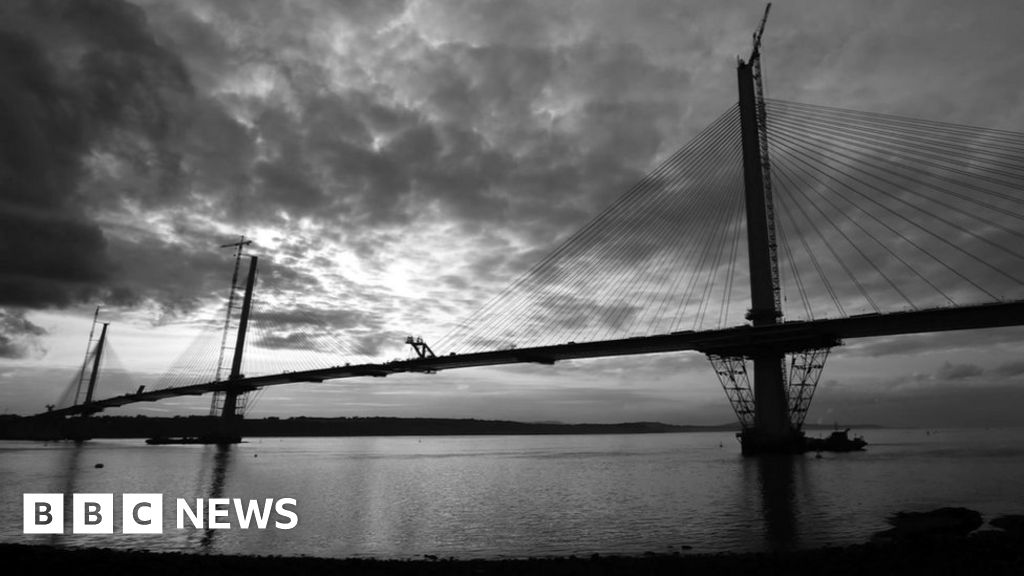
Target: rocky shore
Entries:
(932, 543)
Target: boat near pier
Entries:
(837, 441)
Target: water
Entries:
(516, 496)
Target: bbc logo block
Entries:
(43, 514)
(93, 513)
(144, 513)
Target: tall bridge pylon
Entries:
(772, 411)
(230, 402)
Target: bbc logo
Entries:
(93, 513)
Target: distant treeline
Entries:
(42, 427)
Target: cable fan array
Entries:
(655, 260)
(882, 212)
(281, 337)
(277, 341)
(874, 213)
(112, 379)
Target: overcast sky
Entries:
(397, 162)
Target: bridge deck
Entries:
(742, 340)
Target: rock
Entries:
(1011, 523)
(942, 523)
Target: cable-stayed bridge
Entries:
(776, 233)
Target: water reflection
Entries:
(72, 465)
(520, 496)
(220, 455)
(776, 485)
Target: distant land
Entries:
(41, 427)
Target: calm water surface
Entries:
(513, 496)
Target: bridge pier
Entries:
(771, 411)
(229, 410)
(227, 429)
(773, 430)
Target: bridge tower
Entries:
(771, 414)
(96, 363)
(229, 402)
(230, 408)
(79, 430)
(85, 363)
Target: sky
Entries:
(397, 162)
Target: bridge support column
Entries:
(773, 430)
(229, 411)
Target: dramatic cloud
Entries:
(18, 336)
(398, 163)
(87, 90)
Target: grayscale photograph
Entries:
(512, 287)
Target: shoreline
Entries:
(982, 552)
(43, 428)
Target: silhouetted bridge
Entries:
(787, 337)
(920, 222)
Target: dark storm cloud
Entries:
(40, 164)
(176, 276)
(363, 155)
(233, 118)
(83, 80)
